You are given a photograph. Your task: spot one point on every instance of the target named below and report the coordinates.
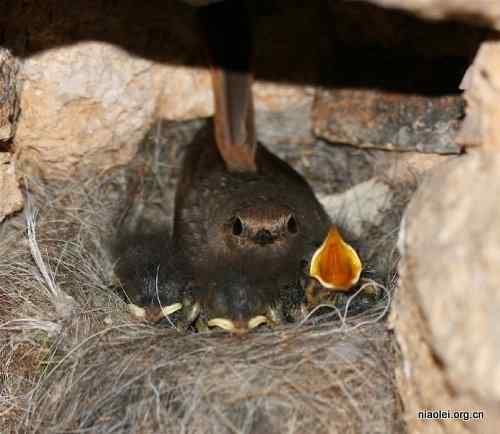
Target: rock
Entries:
(364, 204)
(9, 100)
(97, 75)
(87, 103)
(482, 93)
(93, 75)
(407, 167)
(11, 199)
(292, 39)
(447, 304)
(481, 12)
(92, 103)
(186, 93)
(283, 113)
(387, 120)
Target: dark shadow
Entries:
(330, 43)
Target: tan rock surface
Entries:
(186, 93)
(485, 12)
(11, 199)
(482, 93)
(446, 308)
(90, 102)
(9, 100)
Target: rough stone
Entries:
(86, 103)
(92, 103)
(375, 197)
(61, 127)
(11, 199)
(483, 12)
(9, 99)
(283, 113)
(447, 305)
(387, 120)
(482, 93)
(186, 93)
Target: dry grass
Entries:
(72, 360)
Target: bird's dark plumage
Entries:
(245, 236)
(246, 224)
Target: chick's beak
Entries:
(336, 264)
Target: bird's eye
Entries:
(237, 226)
(291, 225)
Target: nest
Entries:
(73, 359)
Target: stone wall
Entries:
(482, 94)
(10, 196)
(445, 314)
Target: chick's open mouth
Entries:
(335, 264)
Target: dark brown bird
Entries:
(247, 223)
(248, 230)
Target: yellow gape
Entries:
(336, 264)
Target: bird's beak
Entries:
(336, 264)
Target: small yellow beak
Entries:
(336, 264)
